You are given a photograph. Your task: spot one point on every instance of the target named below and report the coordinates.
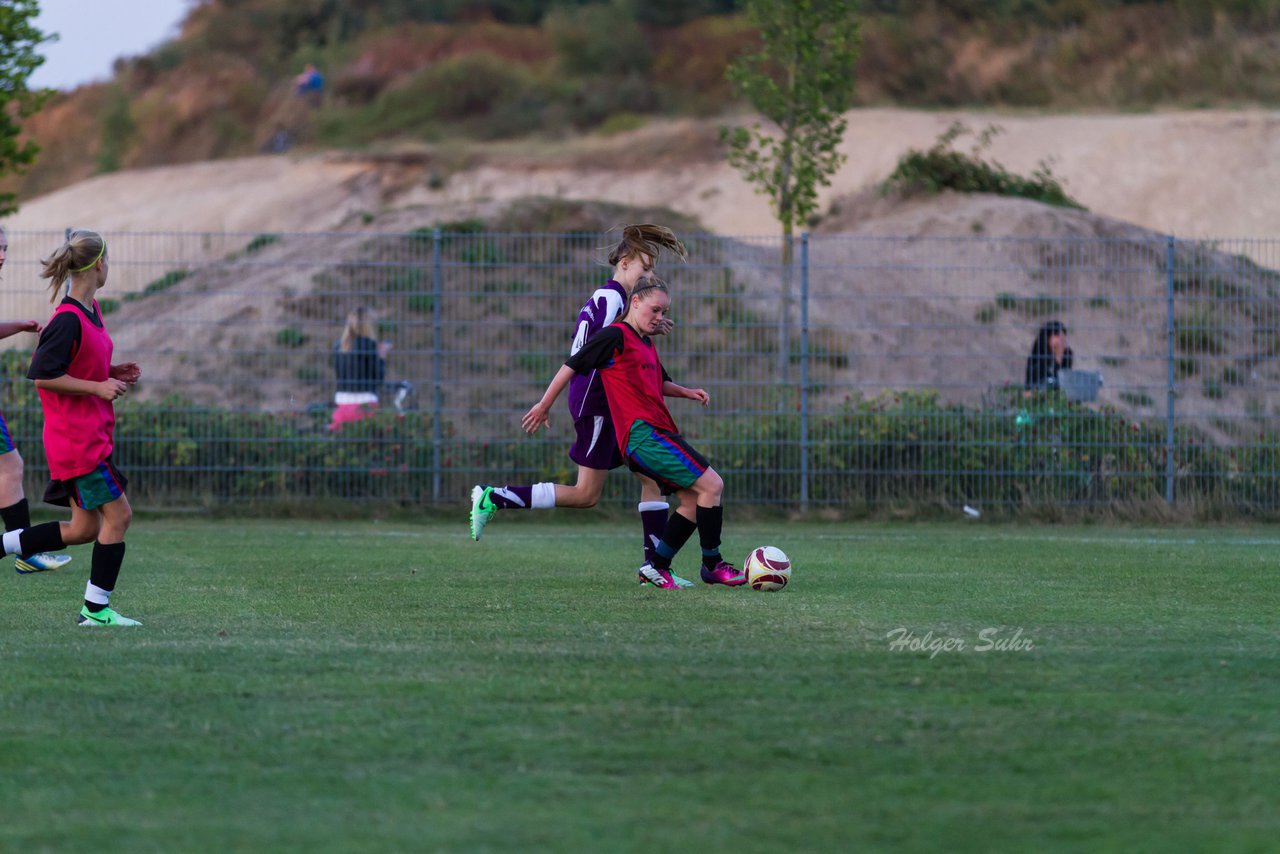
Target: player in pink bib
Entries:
(78, 384)
(635, 385)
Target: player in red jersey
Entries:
(635, 385)
(633, 259)
(77, 384)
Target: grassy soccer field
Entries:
(366, 686)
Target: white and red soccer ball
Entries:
(768, 569)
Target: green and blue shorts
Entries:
(88, 491)
(6, 438)
(663, 456)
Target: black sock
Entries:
(710, 522)
(676, 534)
(45, 537)
(104, 569)
(16, 516)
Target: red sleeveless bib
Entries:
(78, 428)
(633, 386)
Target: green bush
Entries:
(159, 285)
(118, 130)
(478, 94)
(901, 449)
(600, 39)
(1137, 398)
(260, 242)
(943, 168)
(291, 338)
(1200, 331)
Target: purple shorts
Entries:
(596, 446)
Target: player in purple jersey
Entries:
(594, 449)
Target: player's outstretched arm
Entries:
(13, 327)
(540, 414)
(670, 389)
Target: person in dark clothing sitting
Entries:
(360, 364)
(1049, 355)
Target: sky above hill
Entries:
(92, 34)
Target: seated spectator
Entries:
(360, 365)
(1049, 355)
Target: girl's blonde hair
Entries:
(645, 238)
(645, 287)
(359, 325)
(81, 250)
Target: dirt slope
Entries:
(898, 313)
(1204, 174)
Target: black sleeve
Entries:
(56, 348)
(1066, 359)
(372, 366)
(666, 377)
(598, 351)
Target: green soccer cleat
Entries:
(105, 617)
(42, 562)
(482, 509)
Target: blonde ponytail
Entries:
(82, 250)
(646, 238)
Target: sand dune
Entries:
(1201, 174)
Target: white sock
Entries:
(644, 506)
(96, 595)
(12, 546)
(544, 496)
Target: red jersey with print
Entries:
(633, 383)
(78, 428)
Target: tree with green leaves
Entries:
(18, 59)
(801, 81)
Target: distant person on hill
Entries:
(1049, 355)
(14, 509)
(78, 385)
(309, 84)
(360, 364)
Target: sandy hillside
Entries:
(906, 305)
(896, 302)
(1203, 174)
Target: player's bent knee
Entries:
(75, 535)
(709, 485)
(117, 526)
(578, 501)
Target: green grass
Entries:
(392, 686)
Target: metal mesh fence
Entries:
(861, 373)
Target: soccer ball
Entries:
(767, 569)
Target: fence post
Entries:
(1169, 371)
(804, 371)
(784, 313)
(437, 406)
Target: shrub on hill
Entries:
(943, 168)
